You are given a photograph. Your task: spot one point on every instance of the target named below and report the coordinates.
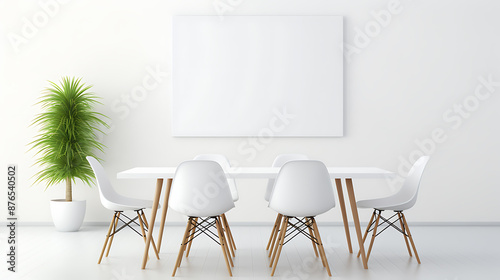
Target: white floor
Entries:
(447, 253)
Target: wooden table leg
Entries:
(355, 217)
(338, 183)
(156, 201)
(164, 212)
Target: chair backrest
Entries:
(278, 162)
(409, 190)
(106, 192)
(303, 188)
(224, 163)
(200, 189)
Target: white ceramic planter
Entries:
(67, 215)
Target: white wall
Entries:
(401, 81)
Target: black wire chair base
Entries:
(388, 222)
(129, 221)
(299, 226)
(205, 226)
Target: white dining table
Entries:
(336, 173)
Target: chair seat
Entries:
(204, 214)
(385, 203)
(127, 203)
(303, 211)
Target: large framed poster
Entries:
(244, 76)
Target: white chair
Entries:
(302, 189)
(200, 191)
(111, 200)
(278, 162)
(224, 163)
(402, 200)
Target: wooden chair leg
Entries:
(144, 219)
(311, 232)
(223, 245)
(274, 249)
(224, 239)
(192, 232)
(142, 226)
(404, 233)
(190, 227)
(107, 237)
(366, 232)
(113, 235)
(409, 236)
(320, 246)
(274, 231)
(183, 245)
(373, 236)
(274, 243)
(227, 238)
(228, 231)
(281, 241)
(318, 241)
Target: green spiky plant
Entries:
(68, 126)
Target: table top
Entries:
(255, 172)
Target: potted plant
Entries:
(68, 126)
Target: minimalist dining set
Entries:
(299, 189)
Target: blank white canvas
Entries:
(240, 76)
